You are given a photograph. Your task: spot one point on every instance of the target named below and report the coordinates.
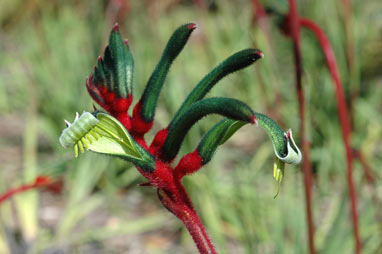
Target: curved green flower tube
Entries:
(284, 146)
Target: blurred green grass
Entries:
(48, 49)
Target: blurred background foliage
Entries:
(47, 50)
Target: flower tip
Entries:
(126, 42)
(261, 54)
(192, 26)
(115, 27)
(253, 120)
(294, 155)
(99, 59)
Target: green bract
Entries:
(113, 138)
(102, 133)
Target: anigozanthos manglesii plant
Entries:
(122, 135)
(116, 133)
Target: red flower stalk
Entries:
(344, 119)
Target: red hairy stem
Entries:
(343, 117)
(190, 163)
(191, 221)
(41, 181)
(293, 29)
(174, 197)
(119, 111)
(138, 125)
(158, 142)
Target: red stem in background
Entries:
(294, 31)
(41, 181)
(344, 120)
